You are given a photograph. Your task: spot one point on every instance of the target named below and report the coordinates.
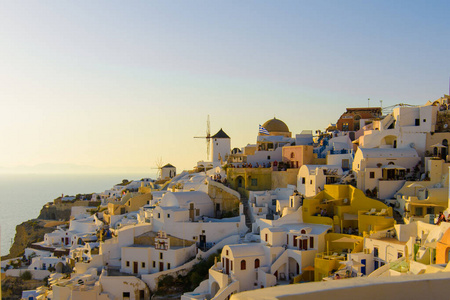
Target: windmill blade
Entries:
(208, 137)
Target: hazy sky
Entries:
(122, 83)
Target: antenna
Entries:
(207, 137)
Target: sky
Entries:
(118, 85)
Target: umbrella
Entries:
(438, 145)
(308, 268)
(352, 263)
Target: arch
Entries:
(214, 288)
(390, 140)
(240, 182)
(256, 263)
(243, 264)
(59, 268)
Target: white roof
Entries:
(182, 199)
(245, 250)
(388, 152)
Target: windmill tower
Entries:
(207, 137)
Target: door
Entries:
(135, 267)
(363, 269)
(161, 266)
(191, 211)
(227, 265)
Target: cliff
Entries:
(59, 210)
(27, 233)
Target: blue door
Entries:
(363, 269)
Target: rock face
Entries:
(27, 233)
(59, 210)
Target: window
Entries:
(345, 127)
(226, 252)
(303, 180)
(268, 157)
(243, 266)
(168, 266)
(417, 122)
(143, 265)
(257, 263)
(126, 295)
(154, 264)
(418, 211)
(265, 237)
(311, 242)
(310, 182)
(287, 239)
(231, 265)
(160, 256)
(372, 174)
(254, 182)
(128, 263)
(375, 252)
(292, 155)
(295, 241)
(424, 120)
(197, 212)
(399, 254)
(141, 294)
(168, 216)
(159, 215)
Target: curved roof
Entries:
(388, 152)
(246, 250)
(275, 125)
(182, 199)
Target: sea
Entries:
(23, 195)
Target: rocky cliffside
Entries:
(27, 233)
(59, 210)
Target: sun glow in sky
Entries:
(119, 84)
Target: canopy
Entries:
(438, 145)
(308, 268)
(350, 217)
(346, 240)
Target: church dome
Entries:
(275, 125)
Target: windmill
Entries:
(207, 137)
(159, 165)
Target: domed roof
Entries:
(275, 125)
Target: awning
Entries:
(426, 204)
(350, 217)
(346, 240)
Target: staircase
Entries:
(398, 217)
(247, 214)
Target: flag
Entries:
(263, 130)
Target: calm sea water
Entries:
(23, 195)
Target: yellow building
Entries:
(133, 204)
(260, 179)
(344, 207)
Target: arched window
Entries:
(243, 266)
(292, 155)
(303, 231)
(257, 263)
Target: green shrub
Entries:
(26, 275)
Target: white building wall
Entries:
(220, 147)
